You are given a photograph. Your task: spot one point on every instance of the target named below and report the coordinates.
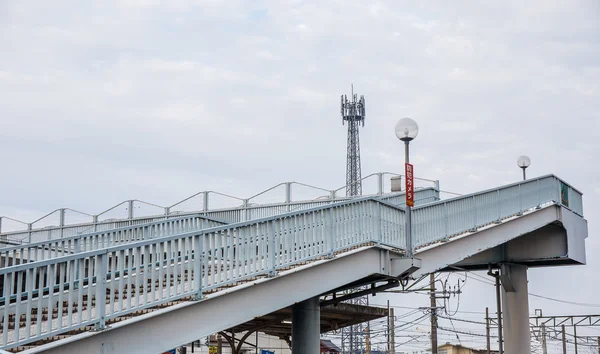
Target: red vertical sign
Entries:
(410, 195)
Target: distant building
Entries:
(327, 347)
(449, 348)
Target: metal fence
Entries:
(98, 286)
(244, 213)
(66, 222)
(53, 248)
(440, 221)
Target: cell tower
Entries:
(353, 112)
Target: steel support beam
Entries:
(516, 310)
(306, 325)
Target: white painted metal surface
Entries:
(231, 209)
(53, 248)
(515, 310)
(148, 273)
(440, 221)
(182, 323)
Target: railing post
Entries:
(539, 201)
(446, 221)
(101, 270)
(205, 204)
(558, 198)
(474, 214)
(77, 245)
(198, 262)
(246, 210)
(61, 221)
(520, 201)
(331, 238)
(378, 223)
(288, 195)
(499, 206)
(271, 245)
(130, 209)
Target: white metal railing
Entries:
(231, 215)
(91, 288)
(236, 209)
(147, 273)
(52, 248)
(439, 221)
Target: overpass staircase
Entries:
(138, 290)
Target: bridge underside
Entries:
(552, 236)
(549, 236)
(333, 317)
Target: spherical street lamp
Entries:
(406, 130)
(523, 162)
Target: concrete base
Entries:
(515, 309)
(306, 325)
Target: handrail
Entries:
(234, 214)
(193, 262)
(70, 242)
(95, 217)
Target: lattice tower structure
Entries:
(353, 113)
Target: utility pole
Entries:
(487, 329)
(564, 340)
(392, 332)
(575, 337)
(544, 347)
(598, 345)
(499, 310)
(368, 340)
(219, 344)
(389, 347)
(433, 304)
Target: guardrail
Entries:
(440, 221)
(160, 270)
(42, 250)
(237, 209)
(91, 288)
(243, 213)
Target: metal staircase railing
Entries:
(439, 221)
(232, 209)
(46, 249)
(53, 248)
(102, 285)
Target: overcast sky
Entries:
(155, 100)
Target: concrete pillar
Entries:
(306, 327)
(515, 309)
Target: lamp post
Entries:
(523, 162)
(406, 130)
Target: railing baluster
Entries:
(100, 272)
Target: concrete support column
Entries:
(306, 327)
(515, 309)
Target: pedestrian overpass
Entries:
(151, 287)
